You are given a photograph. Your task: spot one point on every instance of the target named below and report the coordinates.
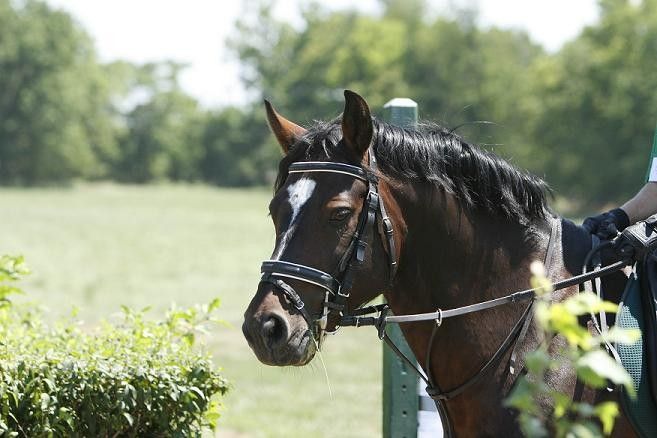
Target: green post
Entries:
(400, 397)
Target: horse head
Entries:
(330, 251)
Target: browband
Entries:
(325, 166)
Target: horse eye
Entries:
(340, 214)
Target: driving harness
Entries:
(338, 286)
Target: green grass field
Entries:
(96, 247)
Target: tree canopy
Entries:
(581, 117)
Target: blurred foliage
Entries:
(12, 269)
(582, 117)
(544, 411)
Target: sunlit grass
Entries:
(96, 247)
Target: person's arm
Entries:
(643, 204)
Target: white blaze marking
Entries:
(298, 194)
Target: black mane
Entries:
(479, 179)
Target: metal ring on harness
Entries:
(439, 320)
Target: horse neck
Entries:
(451, 259)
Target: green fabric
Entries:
(651, 175)
(641, 410)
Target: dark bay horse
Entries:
(460, 226)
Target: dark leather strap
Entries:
(279, 268)
(356, 253)
(492, 362)
(515, 297)
(388, 229)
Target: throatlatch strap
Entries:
(388, 229)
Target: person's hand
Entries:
(607, 225)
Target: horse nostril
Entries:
(274, 328)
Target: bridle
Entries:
(337, 287)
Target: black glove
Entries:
(607, 225)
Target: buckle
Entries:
(381, 322)
(343, 295)
(360, 250)
(387, 226)
(372, 200)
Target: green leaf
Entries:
(532, 426)
(622, 336)
(129, 418)
(588, 302)
(522, 396)
(189, 338)
(595, 367)
(561, 404)
(584, 429)
(537, 362)
(214, 304)
(607, 413)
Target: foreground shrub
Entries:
(133, 378)
(584, 353)
(12, 269)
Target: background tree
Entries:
(53, 120)
(306, 71)
(597, 104)
(238, 149)
(582, 117)
(162, 139)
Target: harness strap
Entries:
(355, 255)
(330, 167)
(388, 229)
(479, 375)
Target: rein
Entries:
(356, 320)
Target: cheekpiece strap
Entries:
(388, 228)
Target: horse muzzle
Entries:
(277, 337)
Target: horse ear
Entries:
(357, 129)
(286, 132)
